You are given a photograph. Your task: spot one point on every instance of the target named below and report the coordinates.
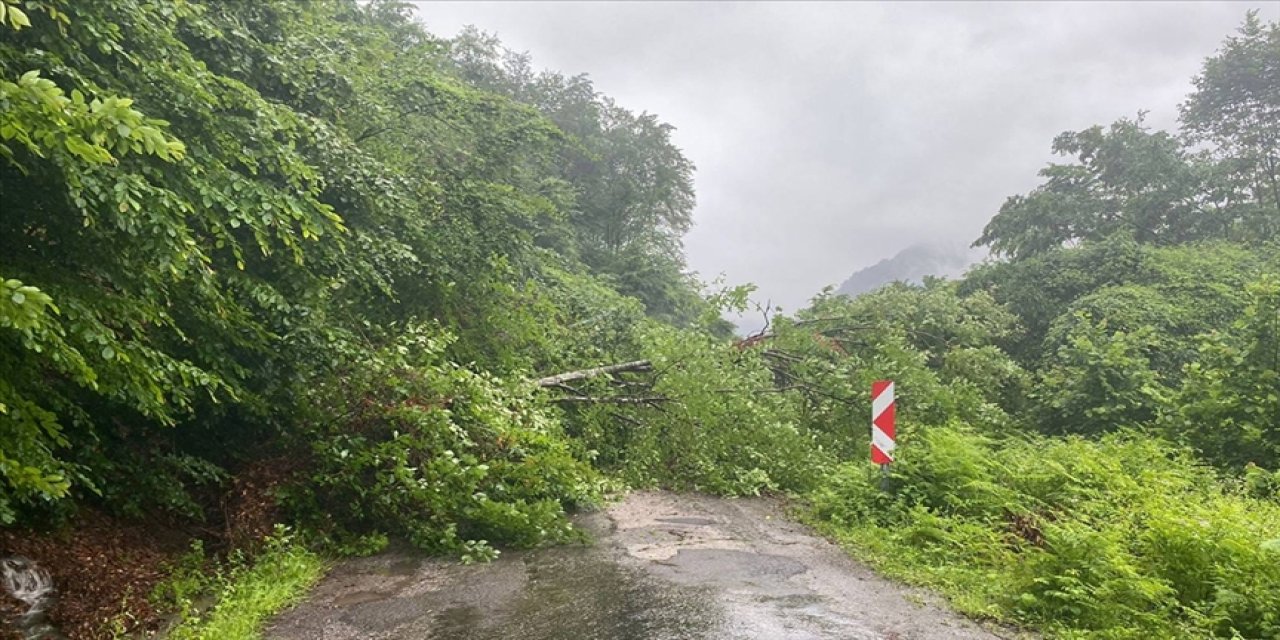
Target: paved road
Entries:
(664, 567)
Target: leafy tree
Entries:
(221, 201)
(1219, 180)
(634, 188)
(1235, 108)
(1039, 289)
(1228, 407)
(1127, 181)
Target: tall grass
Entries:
(1124, 537)
(253, 590)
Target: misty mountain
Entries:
(912, 265)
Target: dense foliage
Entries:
(311, 233)
(1122, 537)
(1105, 460)
(213, 210)
(404, 443)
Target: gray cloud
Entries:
(829, 136)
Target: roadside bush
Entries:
(721, 426)
(407, 444)
(1228, 407)
(1123, 537)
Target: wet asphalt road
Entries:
(664, 567)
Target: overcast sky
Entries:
(828, 136)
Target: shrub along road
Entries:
(663, 566)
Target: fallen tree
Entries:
(582, 374)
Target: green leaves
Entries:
(407, 444)
(47, 122)
(12, 15)
(1116, 537)
(30, 471)
(26, 306)
(1228, 406)
(132, 239)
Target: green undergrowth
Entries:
(248, 590)
(1124, 537)
(406, 444)
(716, 430)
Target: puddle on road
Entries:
(582, 593)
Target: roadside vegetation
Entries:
(305, 263)
(246, 591)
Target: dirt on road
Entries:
(663, 567)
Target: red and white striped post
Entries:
(882, 435)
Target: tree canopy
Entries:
(1219, 178)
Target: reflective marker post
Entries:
(882, 433)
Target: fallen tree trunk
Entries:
(570, 376)
(615, 399)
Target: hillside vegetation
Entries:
(312, 238)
